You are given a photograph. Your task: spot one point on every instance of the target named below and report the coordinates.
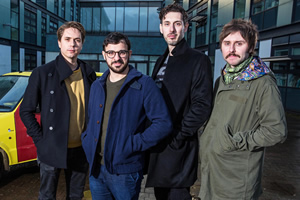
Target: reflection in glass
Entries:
(296, 15)
(153, 22)
(120, 19)
(12, 89)
(131, 19)
(108, 18)
(239, 11)
(257, 6)
(96, 19)
(142, 67)
(293, 80)
(143, 19)
(294, 75)
(281, 79)
(296, 51)
(281, 52)
(271, 3)
(279, 66)
(86, 18)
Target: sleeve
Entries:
(28, 107)
(272, 127)
(201, 101)
(157, 113)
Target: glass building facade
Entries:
(24, 26)
(278, 22)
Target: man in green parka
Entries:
(247, 117)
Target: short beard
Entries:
(118, 70)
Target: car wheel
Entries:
(1, 166)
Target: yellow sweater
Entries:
(75, 87)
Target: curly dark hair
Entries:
(247, 29)
(173, 8)
(116, 38)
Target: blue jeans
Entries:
(115, 186)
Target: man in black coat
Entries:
(61, 89)
(185, 79)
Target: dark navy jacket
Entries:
(47, 89)
(127, 137)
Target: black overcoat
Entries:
(187, 89)
(46, 89)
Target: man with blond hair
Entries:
(61, 90)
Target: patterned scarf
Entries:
(230, 73)
(255, 69)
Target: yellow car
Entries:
(16, 147)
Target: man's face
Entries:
(234, 49)
(173, 28)
(119, 62)
(70, 44)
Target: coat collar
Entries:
(62, 68)
(179, 49)
(65, 71)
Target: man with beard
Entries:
(247, 117)
(184, 78)
(127, 115)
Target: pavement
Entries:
(281, 176)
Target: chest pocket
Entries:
(238, 99)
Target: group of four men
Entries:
(111, 121)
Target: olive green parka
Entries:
(247, 117)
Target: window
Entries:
(280, 70)
(294, 75)
(11, 91)
(30, 59)
(56, 7)
(14, 20)
(201, 28)
(296, 12)
(41, 2)
(15, 49)
(63, 5)
(44, 30)
(280, 41)
(153, 19)
(129, 17)
(192, 2)
(72, 10)
(239, 8)
(76, 12)
(108, 19)
(214, 21)
(264, 13)
(53, 25)
(30, 25)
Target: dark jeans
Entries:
(172, 193)
(115, 186)
(75, 176)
